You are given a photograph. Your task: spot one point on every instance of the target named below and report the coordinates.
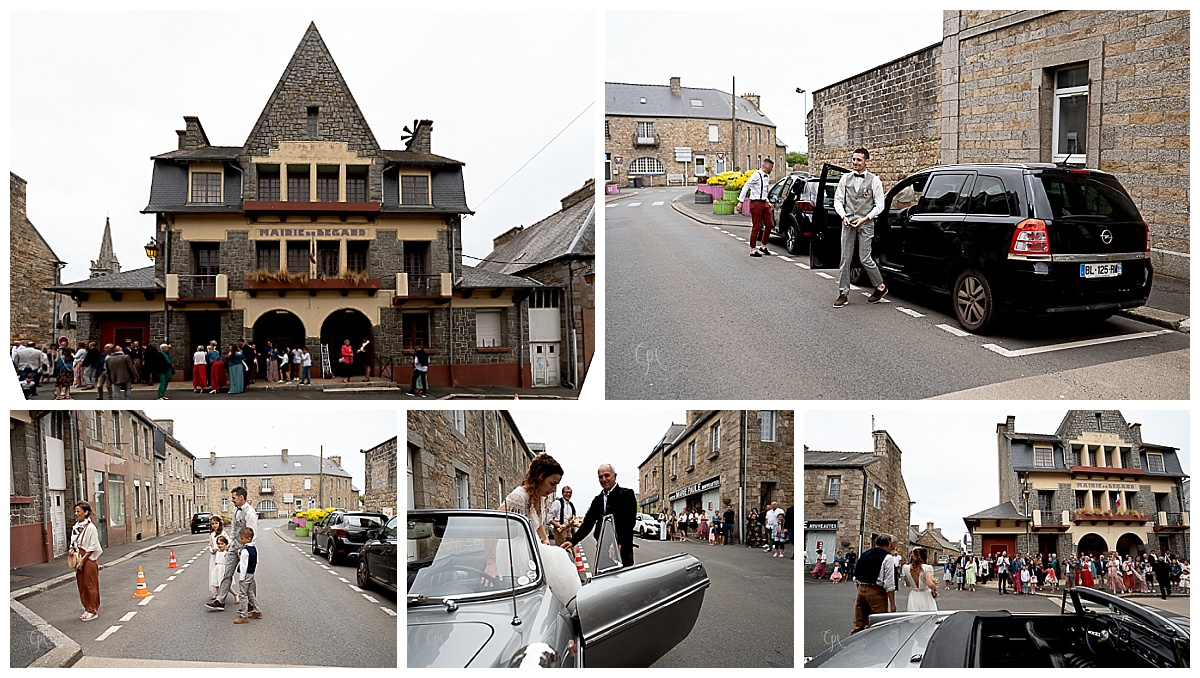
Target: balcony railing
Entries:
(197, 286)
(1048, 518)
(418, 285)
(645, 139)
(266, 489)
(1171, 521)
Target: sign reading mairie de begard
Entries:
(311, 233)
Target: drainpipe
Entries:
(573, 373)
(47, 537)
(75, 456)
(520, 344)
(862, 525)
(450, 306)
(484, 419)
(742, 473)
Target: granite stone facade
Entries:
(379, 490)
(464, 458)
(268, 489)
(32, 267)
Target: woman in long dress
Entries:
(199, 370)
(216, 558)
(529, 499)
(1085, 573)
(924, 589)
(272, 364)
(972, 573)
(702, 533)
(237, 371)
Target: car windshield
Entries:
(448, 555)
(1087, 196)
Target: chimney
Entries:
(212, 458)
(284, 455)
(585, 192)
(167, 425)
(929, 527)
(675, 89)
(881, 443)
(506, 237)
(915, 528)
(693, 415)
(337, 460)
(192, 136)
(1010, 425)
(1136, 430)
(421, 137)
(752, 98)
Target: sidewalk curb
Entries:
(1154, 316)
(66, 651)
(700, 219)
(42, 587)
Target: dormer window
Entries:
(414, 190)
(697, 103)
(206, 187)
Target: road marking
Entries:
(128, 616)
(334, 573)
(742, 239)
(954, 330)
(633, 204)
(356, 589)
(716, 228)
(784, 258)
(388, 610)
(730, 234)
(172, 577)
(909, 311)
(658, 203)
(803, 266)
(160, 588)
(326, 567)
(111, 630)
(144, 602)
(612, 204)
(824, 275)
(185, 565)
(881, 301)
(1071, 344)
(344, 580)
(373, 600)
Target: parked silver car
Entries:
(463, 612)
(1093, 629)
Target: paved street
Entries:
(829, 608)
(689, 315)
(313, 615)
(748, 615)
(323, 389)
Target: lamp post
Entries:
(1026, 488)
(804, 116)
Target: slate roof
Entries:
(169, 190)
(566, 233)
(1005, 511)
(213, 153)
(833, 459)
(625, 99)
(940, 539)
(1171, 465)
(475, 278)
(267, 465)
(415, 158)
(672, 434)
(137, 279)
(1039, 437)
(446, 191)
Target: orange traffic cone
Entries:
(579, 559)
(142, 591)
(516, 396)
(172, 563)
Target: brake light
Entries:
(1079, 171)
(1030, 238)
(1147, 225)
(339, 532)
(805, 206)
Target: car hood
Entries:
(891, 643)
(446, 644)
(480, 633)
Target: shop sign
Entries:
(310, 233)
(823, 525)
(650, 500)
(697, 488)
(1105, 486)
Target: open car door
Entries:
(825, 250)
(631, 616)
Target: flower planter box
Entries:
(611, 189)
(314, 284)
(704, 198)
(716, 191)
(723, 207)
(732, 194)
(301, 531)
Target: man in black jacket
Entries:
(619, 502)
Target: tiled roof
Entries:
(569, 232)
(137, 279)
(414, 158)
(626, 99)
(267, 465)
(832, 459)
(1005, 511)
(473, 278)
(202, 153)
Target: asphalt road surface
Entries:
(748, 615)
(690, 315)
(312, 615)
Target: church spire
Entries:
(107, 263)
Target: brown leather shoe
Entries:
(241, 620)
(255, 615)
(840, 301)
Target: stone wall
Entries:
(31, 309)
(338, 490)
(379, 490)
(692, 133)
(439, 452)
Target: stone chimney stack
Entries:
(929, 527)
(676, 91)
(585, 192)
(167, 425)
(192, 136)
(693, 415)
(1136, 430)
(283, 455)
(1010, 425)
(336, 459)
(752, 98)
(506, 237)
(212, 458)
(421, 141)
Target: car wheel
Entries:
(330, 551)
(792, 238)
(315, 550)
(974, 305)
(364, 574)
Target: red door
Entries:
(118, 331)
(994, 545)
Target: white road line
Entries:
(160, 588)
(185, 565)
(344, 580)
(373, 600)
(388, 610)
(633, 204)
(658, 203)
(145, 601)
(333, 572)
(325, 567)
(111, 630)
(172, 577)
(1071, 344)
(803, 266)
(716, 228)
(784, 258)
(611, 204)
(881, 301)
(742, 239)
(730, 234)
(909, 311)
(128, 616)
(824, 275)
(954, 330)
(356, 589)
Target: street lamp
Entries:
(804, 115)
(152, 249)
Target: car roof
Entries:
(1022, 166)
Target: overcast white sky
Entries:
(93, 95)
(950, 457)
(706, 49)
(260, 430)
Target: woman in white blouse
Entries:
(85, 540)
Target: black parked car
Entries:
(794, 205)
(342, 533)
(201, 522)
(1025, 237)
(377, 557)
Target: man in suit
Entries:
(614, 500)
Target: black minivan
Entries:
(1026, 237)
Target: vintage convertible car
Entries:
(1093, 629)
(462, 613)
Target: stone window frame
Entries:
(715, 439)
(645, 129)
(674, 465)
(458, 419)
(1061, 94)
(414, 190)
(766, 416)
(324, 176)
(714, 132)
(607, 132)
(830, 492)
(267, 177)
(691, 455)
(1042, 461)
(1162, 462)
(308, 482)
(264, 485)
(877, 497)
(462, 488)
(1046, 64)
(206, 186)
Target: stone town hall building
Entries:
(311, 232)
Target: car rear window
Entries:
(1095, 196)
(944, 194)
(363, 521)
(989, 197)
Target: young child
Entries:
(247, 564)
(1051, 579)
(217, 572)
(836, 577)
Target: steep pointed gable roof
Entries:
(311, 78)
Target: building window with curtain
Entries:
(1070, 114)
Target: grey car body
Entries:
(620, 617)
(1092, 629)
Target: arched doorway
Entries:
(1092, 544)
(343, 324)
(1130, 545)
(282, 328)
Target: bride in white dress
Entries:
(924, 588)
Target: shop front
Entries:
(820, 535)
(702, 496)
